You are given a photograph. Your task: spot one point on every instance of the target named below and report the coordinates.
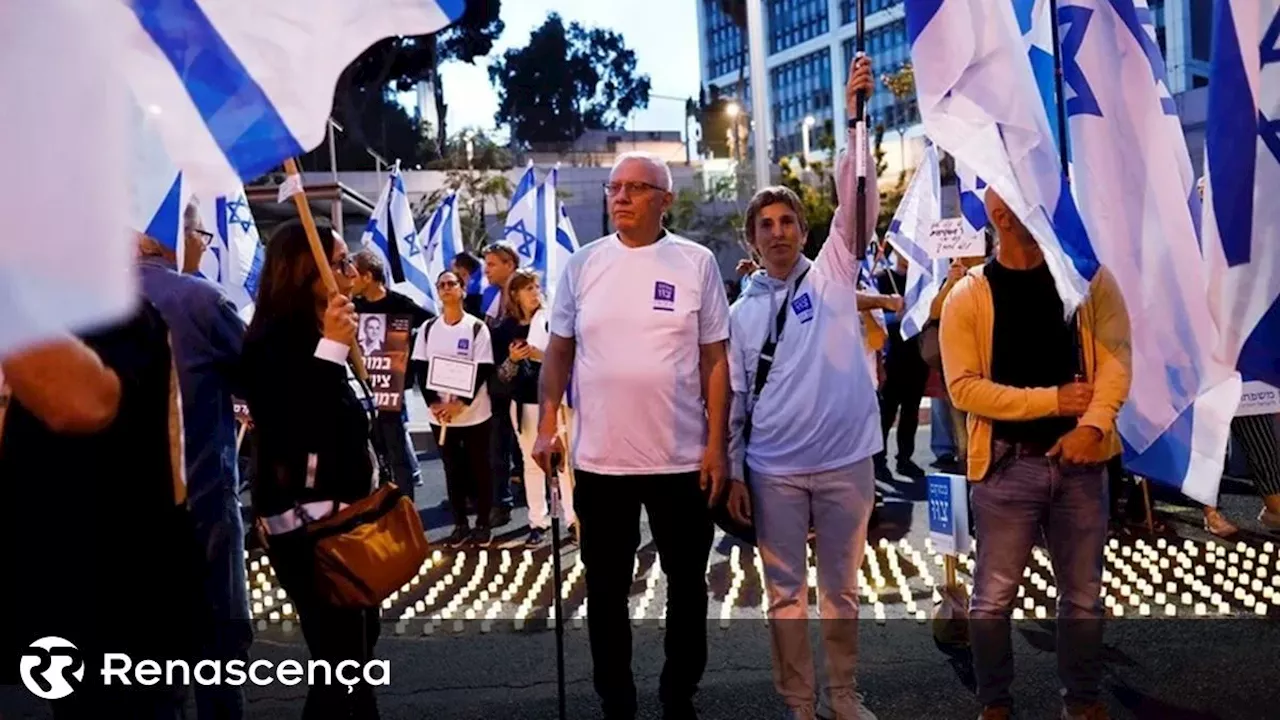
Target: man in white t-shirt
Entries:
(641, 318)
(464, 449)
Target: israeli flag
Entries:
(234, 88)
(556, 232)
(235, 255)
(68, 260)
(238, 87)
(973, 208)
(523, 232)
(444, 241)
(920, 208)
(391, 233)
(980, 102)
(159, 197)
(1133, 182)
(1241, 230)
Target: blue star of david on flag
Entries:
(527, 242)
(235, 216)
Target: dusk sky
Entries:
(663, 33)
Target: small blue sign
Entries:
(941, 515)
(464, 346)
(802, 305)
(664, 296)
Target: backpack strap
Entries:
(765, 361)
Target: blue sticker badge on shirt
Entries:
(664, 296)
(803, 307)
(464, 346)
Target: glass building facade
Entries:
(800, 88)
(808, 52)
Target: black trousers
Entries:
(608, 510)
(333, 634)
(1257, 436)
(900, 397)
(467, 473)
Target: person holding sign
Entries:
(804, 426)
(392, 312)
(453, 361)
(521, 340)
(314, 443)
(1041, 429)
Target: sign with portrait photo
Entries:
(384, 342)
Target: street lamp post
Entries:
(805, 129)
(733, 110)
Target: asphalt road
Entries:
(1224, 667)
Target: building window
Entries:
(888, 48)
(792, 22)
(801, 87)
(1199, 81)
(724, 41)
(1201, 21)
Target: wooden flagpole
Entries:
(323, 264)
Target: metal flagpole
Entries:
(859, 124)
(1059, 92)
(761, 129)
(553, 480)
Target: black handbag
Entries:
(720, 512)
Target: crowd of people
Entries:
(774, 412)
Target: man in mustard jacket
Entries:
(1041, 393)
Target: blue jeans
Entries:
(941, 433)
(1025, 498)
(220, 532)
(399, 450)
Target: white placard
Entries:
(947, 239)
(451, 376)
(1258, 398)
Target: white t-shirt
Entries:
(638, 316)
(467, 340)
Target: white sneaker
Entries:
(844, 705)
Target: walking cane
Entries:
(554, 482)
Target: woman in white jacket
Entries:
(804, 424)
(520, 340)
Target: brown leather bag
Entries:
(368, 550)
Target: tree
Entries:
(382, 126)
(902, 84)
(485, 153)
(401, 62)
(476, 190)
(709, 216)
(565, 81)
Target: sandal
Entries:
(1217, 524)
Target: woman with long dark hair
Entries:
(314, 453)
(522, 338)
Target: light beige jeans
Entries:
(839, 503)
